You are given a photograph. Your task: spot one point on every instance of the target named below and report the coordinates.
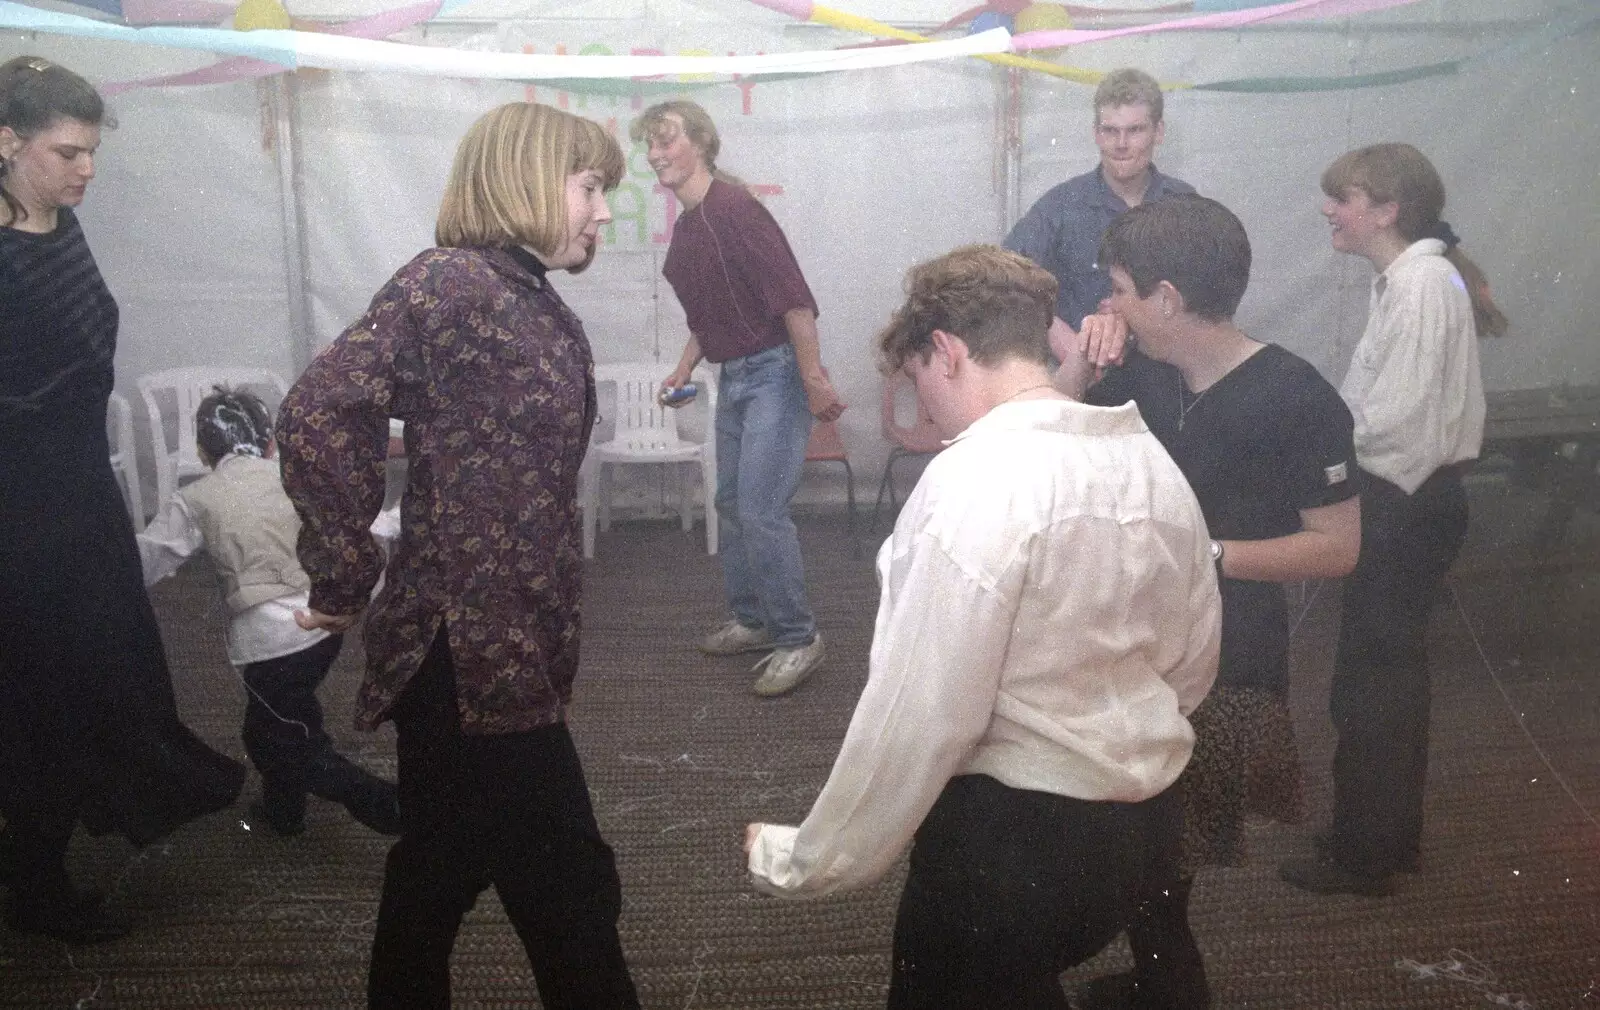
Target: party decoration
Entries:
(1043, 17)
(264, 51)
(1294, 10)
(291, 49)
(805, 10)
(990, 20)
(257, 15)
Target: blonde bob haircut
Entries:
(508, 184)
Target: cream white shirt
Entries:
(264, 631)
(1048, 616)
(1414, 386)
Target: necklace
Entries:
(1183, 411)
(1028, 389)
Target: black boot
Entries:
(370, 800)
(282, 808)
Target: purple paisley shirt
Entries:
(493, 376)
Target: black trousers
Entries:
(1008, 888)
(511, 811)
(1381, 692)
(283, 731)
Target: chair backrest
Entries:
(125, 455)
(825, 443)
(923, 435)
(172, 435)
(641, 422)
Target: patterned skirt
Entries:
(1245, 762)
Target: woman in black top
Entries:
(1265, 443)
(89, 726)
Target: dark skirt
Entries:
(1245, 763)
(89, 724)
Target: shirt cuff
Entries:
(771, 869)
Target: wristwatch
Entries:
(1216, 553)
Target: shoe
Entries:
(1322, 841)
(73, 917)
(733, 638)
(786, 668)
(282, 821)
(376, 804)
(369, 799)
(1322, 877)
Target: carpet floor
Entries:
(680, 755)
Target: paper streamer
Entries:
(331, 51)
(1295, 10)
(262, 53)
(804, 10)
(1568, 22)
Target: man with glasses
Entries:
(1061, 232)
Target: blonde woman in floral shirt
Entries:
(472, 644)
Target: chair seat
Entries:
(677, 451)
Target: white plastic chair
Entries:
(125, 456)
(647, 432)
(179, 458)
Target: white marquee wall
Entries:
(868, 172)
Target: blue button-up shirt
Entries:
(1062, 230)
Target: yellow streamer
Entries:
(866, 26)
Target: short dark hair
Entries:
(1193, 243)
(230, 421)
(996, 301)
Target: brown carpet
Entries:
(680, 755)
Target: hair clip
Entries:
(35, 63)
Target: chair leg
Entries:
(850, 514)
(680, 484)
(605, 498)
(589, 490)
(885, 484)
(708, 477)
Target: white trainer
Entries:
(733, 638)
(786, 668)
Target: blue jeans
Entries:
(763, 425)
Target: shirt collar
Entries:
(1109, 198)
(1067, 417)
(528, 261)
(1421, 247)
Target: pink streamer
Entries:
(238, 68)
(800, 10)
(381, 26)
(1293, 11)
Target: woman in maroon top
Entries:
(472, 644)
(750, 311)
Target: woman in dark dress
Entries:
(89, 727)
(1265, 442)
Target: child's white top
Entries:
(264, 631)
